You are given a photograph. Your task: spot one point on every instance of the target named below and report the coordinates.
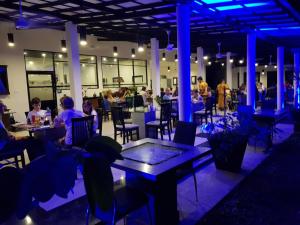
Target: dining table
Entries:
(151, 165)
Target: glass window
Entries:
(110, 75)
(39, 61)
(88, 74)
(62, 74)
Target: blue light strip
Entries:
(197, 2)
(211, 9)
(229, 7)
(257, 4)
(215, 1)
(269, 28)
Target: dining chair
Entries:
(109, 201)
(11, 179)
(185, 134)
(120, 126)
(163, 122)
(204, 113)
(82, 130)
(174, 112)
(100, 119)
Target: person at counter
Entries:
(65, 117)
(36, 113)
(89, 110)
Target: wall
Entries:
(46, 40)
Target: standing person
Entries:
(37, 112)
(221, 89)
(88, 109)
(65, 118)
(144, 94)
(202, 86)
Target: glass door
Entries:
(42, 85)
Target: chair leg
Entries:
(125, 220)
(22, 159)
(127, 136)
(195, 184)
(131, 134)
(87, 215)
(123, 137)
(149, 213)
(16, 162)
(161, 133)
(137, 134)
(169, 132)
(206, 118)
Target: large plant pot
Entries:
(296, 118)
(228, 154)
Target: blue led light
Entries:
(256, 4)
(291, 28)
(197, 2)
(215, 1)
(211, 9)
(229, 7)
(270, 28)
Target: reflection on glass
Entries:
(38, 61)
(38, 80)
(44, 94)
(109, 72)
(88, 74)
(62, 74)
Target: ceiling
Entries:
(276, 22)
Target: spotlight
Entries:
(266, 66)
(82, 34)
(196, 60)
(115, 51)
(176, 58)
(205, 57)
(63, 45)
(133, 53)
(168, 69)
(241, 61)
(140, 47)
(231, 60)
(256, 64)
(163, 56)
(10, 37)
(44, 55)
(209, 63)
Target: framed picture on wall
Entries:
(175, 81)
(194, 79)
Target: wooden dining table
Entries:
(151, 165)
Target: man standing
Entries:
(202, 86)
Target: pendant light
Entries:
(115, 51)
(10, 37)
(132, 53)
(63, 45)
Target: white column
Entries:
(228, 70)
(251, 54)
(155, 68)
(201, 65)
(296, 68)
(280, 78)
(184, 67)
(74, 64)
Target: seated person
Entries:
(37, 112)
(168, 95)
(110, 97)
(16, 145)
(88, 109)
(65, 118)
(196, 97)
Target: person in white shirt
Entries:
(37, 112)
(88, 109)
(144, 94)
(66, 116)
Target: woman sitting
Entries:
(196, 97)
(37, 113)
(88, 109)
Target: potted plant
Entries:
(296, 110)
(229, 145)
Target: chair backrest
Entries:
(174, 103)
(11, 179)
(165, 112)
(100, 119)
(185, 133)
(82, 130)
(138, 101)
(209, 104)
(98, 182)
(117, 116)
(129, 101)
(26, 114)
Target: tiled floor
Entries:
(213, 185)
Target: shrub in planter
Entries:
(228, 149)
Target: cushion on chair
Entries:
(128, 126)
(156, 123)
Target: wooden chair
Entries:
(163, 122)
(107, 200)
(82, 130)
(185, 134)
(205, 113)
(119, 125)
(100, 120)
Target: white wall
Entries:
(47, 40)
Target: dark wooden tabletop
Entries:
(185, 154)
